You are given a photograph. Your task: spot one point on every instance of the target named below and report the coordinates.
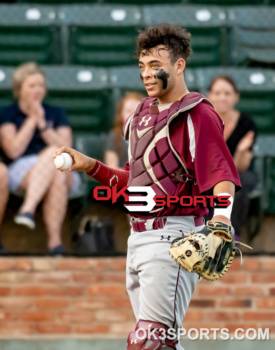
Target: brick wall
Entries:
(44, 297)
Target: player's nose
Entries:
(147, 73)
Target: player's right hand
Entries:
(80, 161)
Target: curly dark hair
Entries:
(173, 37)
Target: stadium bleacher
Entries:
(100, 35)
(265, 152)
(85, 95)
(252, 35)
(28, 33)
(228, 2)
(104, 35)
(152, 2)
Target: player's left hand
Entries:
(208, 252)
(224, 220)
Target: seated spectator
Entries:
(116, 154)
(30, 132)
(239, 134)
(4, 190)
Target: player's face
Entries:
(157, 71)
(129, 107)
(33, 88)
(223, 96)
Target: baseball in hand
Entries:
(63, 162)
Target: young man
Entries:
(176, 146)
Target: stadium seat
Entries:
(252, 35)
(100, 35)
(5, 86)
(142, 2)
(256, 88)
(207, 27)
(265, 148)
(124, 79)
(111, 2)
(93, 145)
(55, 2)
(226, 2)
(29, 34)
(84, 94)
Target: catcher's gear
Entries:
(208, 252)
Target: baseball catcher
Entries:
(176, 147)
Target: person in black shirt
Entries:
(239, 134)
(4, 193)
(30, 132)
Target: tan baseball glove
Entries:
(208, 252)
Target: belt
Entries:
(140, 225)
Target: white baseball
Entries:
(63, 162)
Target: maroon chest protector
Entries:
(152, 157)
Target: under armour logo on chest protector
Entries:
(145, 119)
(145, 124)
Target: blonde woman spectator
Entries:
(116, 154)
(30, 132)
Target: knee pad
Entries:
(150, 336)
